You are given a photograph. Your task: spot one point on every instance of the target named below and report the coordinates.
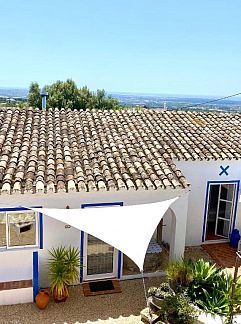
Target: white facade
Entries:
(184, 222)
(56, 233)
(199, 173)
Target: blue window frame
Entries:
(20, 228)
(103, 204)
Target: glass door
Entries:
(220, 210)
(101, 259)
(225, 210)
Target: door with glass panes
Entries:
(100, 259)
(220, 211)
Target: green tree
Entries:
(66, 94)
(85, 97)
(63, 94)
(34, 97)
(102, 101)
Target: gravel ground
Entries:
(118, 308)
(123, 308)
(197, 252)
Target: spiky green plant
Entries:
(64, 266)
(205, 277)
(214, 303)
(72, 260)
(204, 271)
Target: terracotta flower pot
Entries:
(61, 299)
(42, 299)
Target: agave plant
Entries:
(205, 277)
(211, 288)
(204, 271)
(64, 266)
(214, 303)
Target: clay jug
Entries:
(42, 299)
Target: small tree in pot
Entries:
(64, 267)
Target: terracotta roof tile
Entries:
(58, 151)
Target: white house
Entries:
(89, 159)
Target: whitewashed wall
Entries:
(16, 265)
(198, 174)
(55, 233)
(167, 227)
(75, 199)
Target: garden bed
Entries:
(196, 292)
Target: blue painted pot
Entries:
(234, 238)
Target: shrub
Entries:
(162, 291)
(179, 274)
(178, 309)
(211, 288)
(207, 285)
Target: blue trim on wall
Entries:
(119, 264)
(6, 209)
(105, 204)
(82, 235)
(236, 203)
(35, 275)
(205, 211)
(41, 243)
(119, 260)
(237, 182)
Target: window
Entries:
(18, 229)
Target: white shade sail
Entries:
(128, 229)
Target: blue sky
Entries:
(151, 46)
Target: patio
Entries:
(223, 255)
(123, 308)
(114, 308)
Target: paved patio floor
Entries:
(223, 255)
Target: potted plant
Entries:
(64, 266)
(158, 294)
(178, 309)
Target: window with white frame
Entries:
(18, 229)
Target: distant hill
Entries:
(168, 101)
(179, 102)
(13, 92)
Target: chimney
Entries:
(44, 94)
